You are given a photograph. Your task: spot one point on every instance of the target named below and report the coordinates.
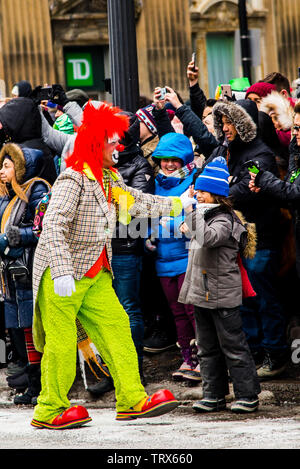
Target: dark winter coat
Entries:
(18, 304)
(21, 121)
(136, 172)
(197, 100)
(286, 192)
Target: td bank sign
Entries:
(79, 68)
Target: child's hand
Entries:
(191, 191)
(184, 228)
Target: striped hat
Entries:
(145, 115)
(214, 178)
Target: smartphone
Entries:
(252, 166)
(194, 60)
(162, 93)
(226, 91)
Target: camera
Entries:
(163, 92)
(44, 94)
(226, 91)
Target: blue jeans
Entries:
(264, 321)
(127, 274)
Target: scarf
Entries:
(15, 211)
(176, 177)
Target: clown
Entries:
(72, 276)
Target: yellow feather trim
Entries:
(124, 201)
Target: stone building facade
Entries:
(67, 41)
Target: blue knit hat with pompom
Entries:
(214, 178)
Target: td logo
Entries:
(79, 68)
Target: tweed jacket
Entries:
(77, 226)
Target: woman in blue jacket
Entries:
(20, 192)
(174, 154)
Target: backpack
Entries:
(39, 214)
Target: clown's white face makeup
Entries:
(108, 151)
(169, 165)
(7, 172)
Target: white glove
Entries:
(151, 247)
(64, 285)
(164, 221)
(186, 200)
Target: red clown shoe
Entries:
(71, 418)
(159, 403)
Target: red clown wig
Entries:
(98, 125)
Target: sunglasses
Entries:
(296, 128)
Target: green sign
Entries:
(79, 68)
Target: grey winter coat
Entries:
(213, 278)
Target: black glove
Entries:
(58, 95)
(13, 235)
(253, 167)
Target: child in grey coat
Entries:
(213, 285)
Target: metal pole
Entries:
(245, 40)
(123, 54)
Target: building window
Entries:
(220, 59)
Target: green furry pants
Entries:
(105, 321)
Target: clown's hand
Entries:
(64, 285)
(186, 200)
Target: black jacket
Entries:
(21, 121)
(197, 100)
(137, 173)
(286, 192)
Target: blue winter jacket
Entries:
(172, 251)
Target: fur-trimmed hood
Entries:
(242, 113)
(275, 102)
(27, 161)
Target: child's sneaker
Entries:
(210, 405)
(245, 405)
(193, 374)
(179, 374)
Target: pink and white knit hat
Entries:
(145, 115)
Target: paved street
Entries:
(181, 429)
(274, 426)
